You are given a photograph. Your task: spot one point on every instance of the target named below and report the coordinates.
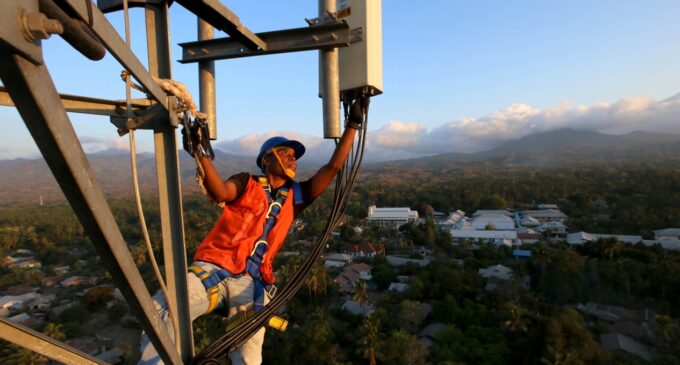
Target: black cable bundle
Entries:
(344, 183)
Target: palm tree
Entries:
(16, 355)
(55, 331)
(360, 296)
(612, 248)
(319, 270)
(312, 283)
(665, 328)
(516, 322)
(370, 342)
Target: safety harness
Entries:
(211, 280)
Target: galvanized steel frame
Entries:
(29, 87)
(168, 178)
(39, 105)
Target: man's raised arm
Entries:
(323, 177)
(220, 191)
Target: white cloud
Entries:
(92, 144)
(399, 139)
(519, 120)
(118, 143)
(249, 145)
(95, 144)
(398, 134)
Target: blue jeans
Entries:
(236, 294)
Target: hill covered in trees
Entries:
(26, 180)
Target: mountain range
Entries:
(562, 148)
(26, 180)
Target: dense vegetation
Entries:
(518, 325)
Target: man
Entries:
(233, 263)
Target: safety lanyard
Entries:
(260, 247)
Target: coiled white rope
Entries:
(135, 183)
(186, 104)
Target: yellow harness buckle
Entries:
(278, 323)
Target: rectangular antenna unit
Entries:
(361, 62)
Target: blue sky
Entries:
(459, 76)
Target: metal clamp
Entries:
(271, 291)
(271, 206)
(257, 244)
(148, 118)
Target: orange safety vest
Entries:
(230, 242)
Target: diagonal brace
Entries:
(44, 345)
(39, 105)
(220, 17)
(91, 15)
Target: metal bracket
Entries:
(330, 17)
(11, 34)
(149, 118)
(332, 35)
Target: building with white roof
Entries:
(665, 243)
(529, 221)
(17, 302)
(337, 260)
(545, 215)
(452, 220)
(579, 238)
(492, 212)
(554, 227)
(507, 238)
(499, 272)
(498, 219)
(667, 234)
(391, 217)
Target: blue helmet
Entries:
(279, 141)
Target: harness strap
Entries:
(210, 283)
(253, 262)
(260, 248)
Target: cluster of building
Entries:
(505, 227)
(513, 227)
(33, 306)
(623, 329)
(20, 259)
(668, 238)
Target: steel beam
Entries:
(38, 103)
(329, 81)
(206, 81)
(108, 6)
(220, 17)
(92, 16)
(87, 105)
(280, 41)
(44, 345)
(169, 186)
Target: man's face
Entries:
(286, 157)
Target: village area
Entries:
(75, 301)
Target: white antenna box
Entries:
(360, 64)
